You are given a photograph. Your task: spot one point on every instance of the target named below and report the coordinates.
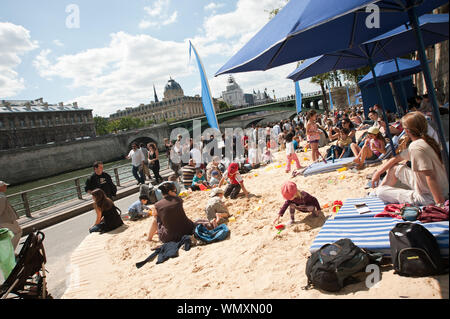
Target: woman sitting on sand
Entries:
(297, 200)
(426, 179)
(374, 146)
(107, 216)
(170, 220)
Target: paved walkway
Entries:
(61, 212)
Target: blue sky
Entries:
(122, 48)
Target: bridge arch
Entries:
(143, 137)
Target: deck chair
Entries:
(321, 167)
(27, 280)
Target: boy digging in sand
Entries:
(296, 199)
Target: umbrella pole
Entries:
(429, 83)
(402, 109)
(380, 97)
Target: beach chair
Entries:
(329, 166)
(27, 280)
(372, 233)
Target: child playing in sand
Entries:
(216, 211)
(290, 153)
(198, 180)
(236, 182)
(214, 180)
(296, 199)
(267, 157)
(138, 209)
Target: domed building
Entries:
(175, 106)
(172, 90)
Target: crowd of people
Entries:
(417, 163)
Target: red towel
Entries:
(391, 210)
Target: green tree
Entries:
(101, 125)
(223, 106)
(322, 80)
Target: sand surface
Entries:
(254, 262)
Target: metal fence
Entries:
(30, 201)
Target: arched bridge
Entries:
(310, 101)
(277, 110)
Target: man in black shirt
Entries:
(102, 180)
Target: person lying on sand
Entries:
(297, 200)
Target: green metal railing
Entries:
(37, 199)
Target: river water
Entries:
(49, 195)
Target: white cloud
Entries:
(158, 15)
(120, 74)
(15, 41)
(213, 6)
(58, 43)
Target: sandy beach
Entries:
(254, 262)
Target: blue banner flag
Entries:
(298, 97)
(208, 105)
(348, 97)
(331, 101)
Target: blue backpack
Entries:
(210, 236)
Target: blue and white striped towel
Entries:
(373, 233)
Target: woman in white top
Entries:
(426, 179)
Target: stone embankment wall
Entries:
(36, 162)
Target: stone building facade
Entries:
(174, 106)
(233, 95)
(33, 122)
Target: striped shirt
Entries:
(188, 175)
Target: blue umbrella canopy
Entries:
(397, 42)
(308, 28)
(387, 71)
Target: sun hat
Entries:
(233, 168)
(216, 191)
(373, 130)
(2, 183)
(288, 190)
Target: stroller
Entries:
(27, 280)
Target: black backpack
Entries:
(414, 251)
(331, 267)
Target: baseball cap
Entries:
(2, 183)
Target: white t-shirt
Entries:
(196, 155)
(252, 156)
(290, 148)
(424, 158)
(137, 157)
(277, 129)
